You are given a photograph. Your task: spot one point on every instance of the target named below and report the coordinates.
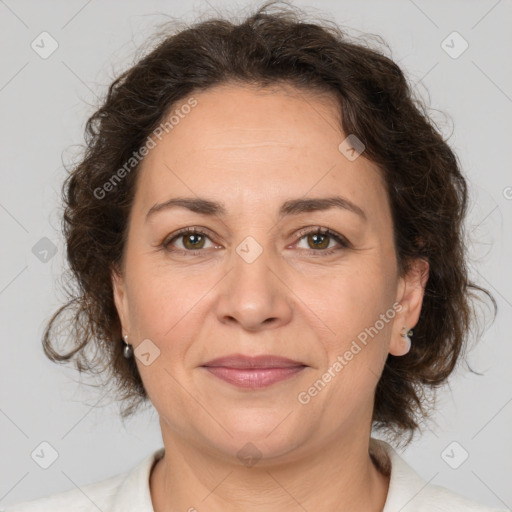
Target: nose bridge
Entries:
(252, 262)
(253, 292)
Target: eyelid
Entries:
(340, 239)
(186, 231)
(323, 231)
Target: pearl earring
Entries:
(128, 349)
(407, 341)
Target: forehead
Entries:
(249, 145)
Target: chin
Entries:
(255, 435)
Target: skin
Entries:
(252, 149)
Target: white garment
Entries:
(129, 491)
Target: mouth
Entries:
(253, 372)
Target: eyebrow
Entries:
(291, 207)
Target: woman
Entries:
(267, 235)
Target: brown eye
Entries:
(196, 241)
(193, 239)
(319, 239)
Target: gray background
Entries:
(44, 105)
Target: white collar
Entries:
(408, 492)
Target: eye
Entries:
(193, 240)
(318, 236)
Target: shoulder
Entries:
(123, 492)
(437, 498)
(408, 492)
(98, 495)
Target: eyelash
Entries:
(318, 230)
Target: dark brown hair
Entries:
(427, 192)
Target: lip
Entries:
(253, 378)
(251, 362)
(253, 372)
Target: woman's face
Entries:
(259, 281)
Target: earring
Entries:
(407, 340)
(128, 349)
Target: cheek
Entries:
(362, 319)
(360, 292)
(168, 307)
(361, 313)
(162, 299)
(162, 311)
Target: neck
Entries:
(340, 477)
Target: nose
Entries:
(254, 295)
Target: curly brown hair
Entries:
(275, 44)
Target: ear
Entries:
(410, 292)
(120, 299)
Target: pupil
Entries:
(316, 236)
(194, 236)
